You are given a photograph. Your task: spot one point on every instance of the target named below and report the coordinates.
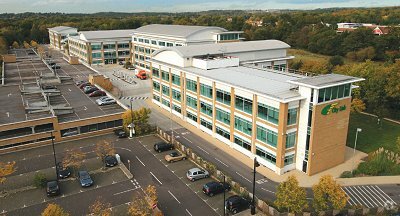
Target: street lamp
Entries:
(224, 197)
(355, 146)
(54, 153)
(253, 204)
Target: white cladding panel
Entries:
(223, 87)
(170, 57)
(244, 94)
(176, 72)
(191, 77)
(206, 81)
(302, 128)
(260, 55)
(268, 102)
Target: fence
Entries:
(261, 204)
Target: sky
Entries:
(92, 6)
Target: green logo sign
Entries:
(332, 108)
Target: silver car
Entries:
(105, 101)
(196, 173)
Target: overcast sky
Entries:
(91, 6)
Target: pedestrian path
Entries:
(368, 196)
(133, 98)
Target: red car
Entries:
(83, 85)
(97, 93)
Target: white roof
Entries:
(324, 81)
(226, 48)
(106, 34)
(60, 29)
(181, 31)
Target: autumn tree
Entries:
(104, 148)
(73, 158)
(54, 210)
(3, 45)
(34, 44)
(6, 169)
(15, 45)
(140, 120)
(26, 45)
(290, 196)
(100, 208)
(143, 205)
(328, 194)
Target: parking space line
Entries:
(140, 161)
(125, 191)
(243, 177)
(174, 197)
(189, 212)
(156, 178)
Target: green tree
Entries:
(336, 60)
(140, 120)
(290, 196)
(328, 194)
(3, 46)
(15, 45)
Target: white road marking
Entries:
(124, 149)
(187, 139)
(261, 181)
(268, 190)
(156, 178)
(373, 197)
(174, 197)
(361, 201)
(189, 212)
(221, 162)
(69, 89)
(386, 195)
(125, 191)
(84, 108)
(243, 177)
(140, 161)
(8, 114)
(203, 150)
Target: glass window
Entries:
(292, 116)
(191, 116)
(243, 125)
(266, 155)
(290, 140)
(140, 40)
(328, 92)
(146, 41)
(222, 132)
(156, 86)
(347, 90)
(165, 102)
(334, 92)
(289, 159)
(176, 79)
(191, 102)
(321, 95)
(206, 124)
(156, 97)
(154, 42)
(170, 44)
(244, 104)
(161, 43)
(242, 143)
(165, 75)
(223, 97)
(206, 90)
(223, 116)
(206, 108)
(268, 113)
(176, 95)
(165, 90)
(156, 72)
(191, 85)
(177, 108)
(267, 136)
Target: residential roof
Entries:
(326, 80)
(61, 28)
(233, 47)
(107, 34)
(182, 31)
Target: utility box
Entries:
(118, 158)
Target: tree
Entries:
(104, 148)
(357, 105)
(6, 169)
(3, 45)
(328, 194)
(15, 45)
(34, 44)
(26, 45)
(143, 205)
(140, 119)
(290, 196)
(54, 210)
(73, 158)
(99, 208)
(336, 60)
(398, 144)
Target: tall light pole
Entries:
(253, 202)
(54, 153)
(355, 146)
(224, 197)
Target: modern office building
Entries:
(101, 47)
(150, 38)
(58, 36)
(287, 121)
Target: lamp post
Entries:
(355, 146)
(253, 204)
(54, 153)
(224, 197)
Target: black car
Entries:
(235, 204)
(51, 63)
(52, 188)
(110, 161)
(90, 89)
(63, 172)
(120, 133)
(163, 146)
(212, 188)
(56, 66)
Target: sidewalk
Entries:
(304, 180)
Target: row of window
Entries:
(335, 92)
(91, 128)
(154, 42)
(267, 136)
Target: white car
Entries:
(196, 173)
(105, 101)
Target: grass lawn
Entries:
(373, 136)
(306, 55)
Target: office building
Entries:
(58, 36)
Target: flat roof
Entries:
(61, 28)
(181, 31)
(23, 74)
(227, 48)
(107, 34)
(326, 80)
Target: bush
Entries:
(346, 174)
(39, 180)
(378, 165)
(336, 60)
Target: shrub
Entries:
(346, 174)
(39, 180)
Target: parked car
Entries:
(51, 63)
(213, 187)
(78, 83)
(120, 133)
(141, 75)
(90, 89)
(84, 179)
(105, 101)
(56, 66)
(83, 85)
(110, 161)
(52, 188)
(46, 87)
(196, 173)
(97, 93)
(235, 204)
(163, 146)
(63, 172)
(70, 133)
(174, 156)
